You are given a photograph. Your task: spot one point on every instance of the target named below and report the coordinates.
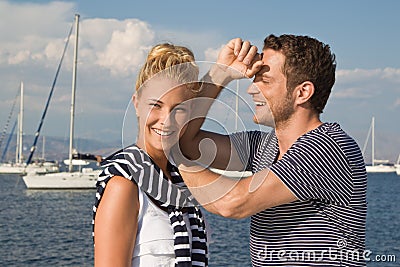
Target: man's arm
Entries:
(235, 198)
(236, 60)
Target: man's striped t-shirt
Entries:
(325, 170)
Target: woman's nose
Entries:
(168, 118)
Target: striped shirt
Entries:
(325, 170)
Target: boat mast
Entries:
(21, 129)
(237, 105)
(373, 140)
(18, 156)
(71, 130)
(17, 146)
(43, 147)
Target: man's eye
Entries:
(155, 105)
(180, 109)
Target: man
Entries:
(307, 195)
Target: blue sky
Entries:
(115, 37)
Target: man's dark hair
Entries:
(306, 59)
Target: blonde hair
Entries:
(174, 61)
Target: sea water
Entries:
(53, 227)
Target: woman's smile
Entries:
(163, 133)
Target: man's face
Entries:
(273, 103)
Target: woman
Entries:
(144, 215)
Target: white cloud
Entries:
(19, 57)
(118, 46)
(363, 83)
(396, 103)
(127, 48)
(29, 27)
(52, 51)
(391, 74)
(22, 19)
(211, 54)
(352, 92)
(356, 74)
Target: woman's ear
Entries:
(304, 92)
(135, 102)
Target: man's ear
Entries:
(304, 92)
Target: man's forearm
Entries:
(235, 198)
(216, 193)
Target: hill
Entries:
(56, 148)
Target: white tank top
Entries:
(154, 244)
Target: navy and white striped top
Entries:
(325, 170)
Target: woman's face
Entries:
(163, 110)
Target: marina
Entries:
(46, 201)
(53, 227)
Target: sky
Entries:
(115, 36)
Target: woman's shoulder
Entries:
(121, 188)
(121, 193)
(119, 184)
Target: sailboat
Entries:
(20, 167)
(85, 178)
(377, 165)
(230, 173)
(398, 165)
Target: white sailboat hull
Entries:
(77, 162)
(63, 180)
(12, 168)
(398, 169)
(232, 174)
(380, 169)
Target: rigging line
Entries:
(8, 142)
(3, 134)
(33, 148)
(366, 140)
